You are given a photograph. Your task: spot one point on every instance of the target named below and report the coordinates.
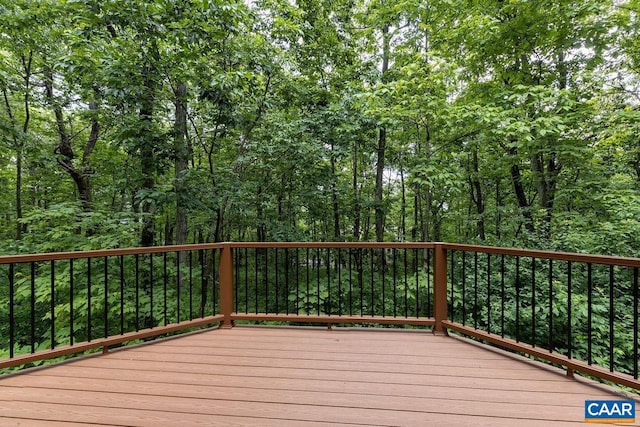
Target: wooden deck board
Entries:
(298, 377)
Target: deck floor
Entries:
(259, 376)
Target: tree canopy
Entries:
(506, 122)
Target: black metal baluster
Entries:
(165, 281)
(33, 307)
(488, 292)
(89, 299)
(429, 293)
(360, 268)
(246, 280)
(589, 312)
(255, 284)
(475, 290)
(286, 280)
(569, 308)
(417, 264)
(214, 287)
(203, 282)
(12, 319)
(266, 280)
(533, 302)
(395, 284)
(611, 316)
(635, 323)
(329, 305)
(350, 283)
(517, 299)
(106, 297)
(137, 272)
(178, 290)
(406, 284)
(550, 306)
(339, 269)
(277, 311)
(53, 305)
(150, 321)
(308, 305)
(190, 285)
(371, 258)
(71, 302)
(464, 285)
(164, 290)
(317, 258)
(502, 295)
(383, 269)
(121, 295)
(297, 281)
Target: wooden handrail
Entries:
(565, 256)
(54, 256)
(533, 253)
(333, 245)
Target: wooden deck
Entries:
(258, 376)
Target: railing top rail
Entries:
(562, 256)
(333, 245)
(54, 256)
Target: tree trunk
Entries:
(147, 154)
(381, 150)
(537, 168)
(523, 203)
(168, 231)
(379, 208)
(476, 194)
(636, 162)
(334, 198)
(426, 219)
(356, 195)
(18, 146)
(498, 209)
(260, 227)
(19, 225)
(181, 163)
(403, 207)
(64, 149)
(26, 65)
(357, 253)
(416, 215)
(546, 170)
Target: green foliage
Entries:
(283, 105)
(66, 227)
(68, 298)
(510, 123)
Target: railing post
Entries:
(226, 285)
(439, 288)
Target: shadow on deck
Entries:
(268, 376)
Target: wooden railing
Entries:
(57, 304)
(346, 283)
(574, 310)
(577, 311)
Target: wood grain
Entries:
(257, 376)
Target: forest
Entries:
(140, 123)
